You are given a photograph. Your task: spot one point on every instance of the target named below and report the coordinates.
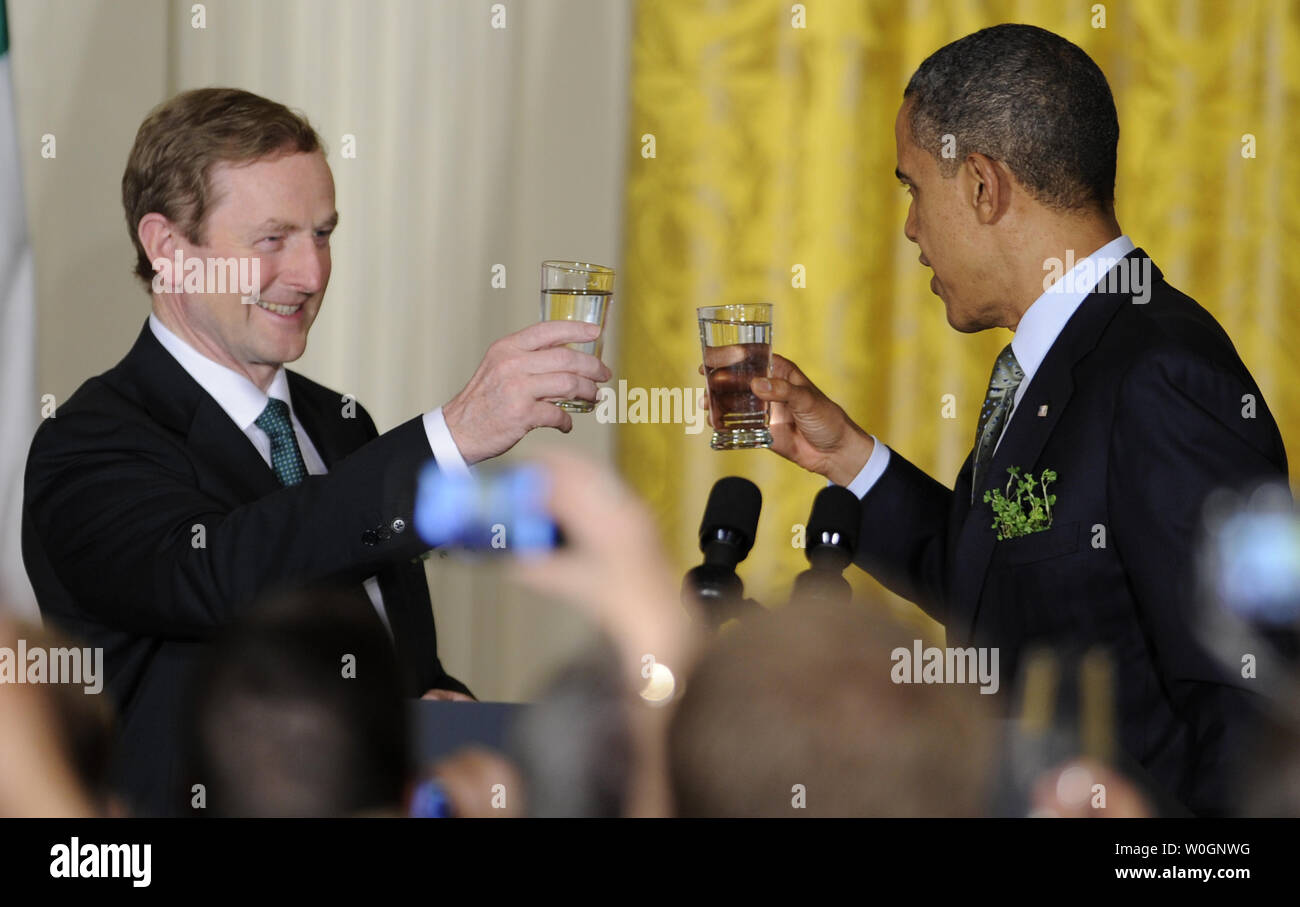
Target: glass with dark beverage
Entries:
(576, 291)
(737, 344)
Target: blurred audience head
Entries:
(575, 747)
(86, 721)
(299, 711)
(1272, 787)
(54, 737)
(798, 707)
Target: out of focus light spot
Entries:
(1074, 786)
(660, 687)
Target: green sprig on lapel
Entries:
(1024, 512)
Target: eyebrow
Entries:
(902, 176)
(272, 225)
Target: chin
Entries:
(964, 325)
(283, 353)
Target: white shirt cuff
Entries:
(443, 444)
(871, 472)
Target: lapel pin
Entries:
(1042, 411)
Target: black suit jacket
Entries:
(1145, 417)
(150, 522)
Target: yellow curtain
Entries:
(761, 147)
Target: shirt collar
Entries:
(1044, 320)
(241, 399)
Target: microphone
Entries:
(726, 537)
(831, 541)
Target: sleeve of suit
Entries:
(443, 444)
(904, 534)
(130, 531)
(1180, 429)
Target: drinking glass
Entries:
(577, 291)
(736, 341)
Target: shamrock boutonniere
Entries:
(1028, 509)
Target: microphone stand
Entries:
(714, 585)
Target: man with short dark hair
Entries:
(297, 711)
(199, 474)
(1124, 388)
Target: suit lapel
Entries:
(1026, 435)
(228, 452)
(179, 403)
(322, 420)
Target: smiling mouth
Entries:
(277, 309)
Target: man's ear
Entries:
(988, 187)
(158, 235)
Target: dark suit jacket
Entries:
(1145, 405)
(119, 483)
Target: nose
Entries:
(307, 266)
(910, 225)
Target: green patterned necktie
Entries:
(998, 403)
(286, 459)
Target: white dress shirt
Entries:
(1038, 329)
(244, 401)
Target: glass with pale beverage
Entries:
(576, 291)
(736, 341)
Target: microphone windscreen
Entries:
(734, 504)
(835, 519)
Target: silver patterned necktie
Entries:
(286, 458)
(998, 403)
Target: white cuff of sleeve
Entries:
(872, 471)
(443, 444)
